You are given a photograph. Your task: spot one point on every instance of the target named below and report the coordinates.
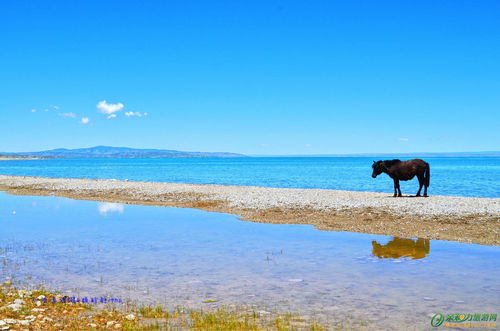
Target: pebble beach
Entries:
(464, 219)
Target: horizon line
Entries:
(358, 154)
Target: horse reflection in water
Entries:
(402, 247)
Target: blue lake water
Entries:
(479, 177)
(178, 256)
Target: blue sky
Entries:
(260, 77)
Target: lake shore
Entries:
(8, 158)
(461, 219)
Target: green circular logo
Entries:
(437, 320)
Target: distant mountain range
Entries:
(125, 152)
(120, 152)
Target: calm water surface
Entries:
(449, 176)
(184, 256)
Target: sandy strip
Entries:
(471, 220)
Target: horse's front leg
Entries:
(399, 189)
(396, 184)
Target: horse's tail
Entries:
(427, 175)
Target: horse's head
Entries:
(378, 167)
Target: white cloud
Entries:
(307, 145)
(403, 139)
(109, 108)
(33, 110)
(85, 120)
(111, 116)
(56, 107)
(45, 109)
(136, 113)
(109, 207)
(72, 115)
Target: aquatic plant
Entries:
(45, 310)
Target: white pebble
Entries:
(130, 317)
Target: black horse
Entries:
(404, 170)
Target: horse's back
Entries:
(417, 162)
(406, 170)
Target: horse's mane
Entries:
(390, 163)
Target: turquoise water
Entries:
(182, 257)
(478, 177)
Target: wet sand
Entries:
(461, 219)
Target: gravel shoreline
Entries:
(436, 217)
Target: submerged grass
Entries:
(34, 310)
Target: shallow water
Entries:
(185, 256)
(464, 176)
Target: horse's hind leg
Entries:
(420, 183)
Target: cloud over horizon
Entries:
(109, 108)
(71, 115)
(136, 113)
